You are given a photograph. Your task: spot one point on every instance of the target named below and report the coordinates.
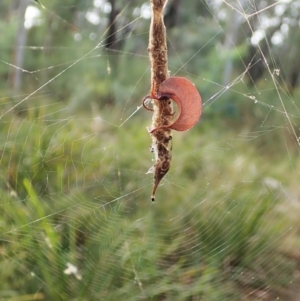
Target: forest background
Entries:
(76, 218)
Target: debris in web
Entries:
(163, 89)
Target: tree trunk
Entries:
(21, 38)
(112, 26)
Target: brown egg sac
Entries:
(187, 98)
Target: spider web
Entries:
(76, 219)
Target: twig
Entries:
(162, 109)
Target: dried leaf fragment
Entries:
(187, 98)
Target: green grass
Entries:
(72, 195)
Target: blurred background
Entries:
(76, 220)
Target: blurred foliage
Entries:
(202, 38)
(75, 215)
(70, 196)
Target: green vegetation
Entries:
(70, 195)
(76, 220)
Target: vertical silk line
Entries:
(162, 109)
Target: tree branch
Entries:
(162, 109)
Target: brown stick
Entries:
(162, 109)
